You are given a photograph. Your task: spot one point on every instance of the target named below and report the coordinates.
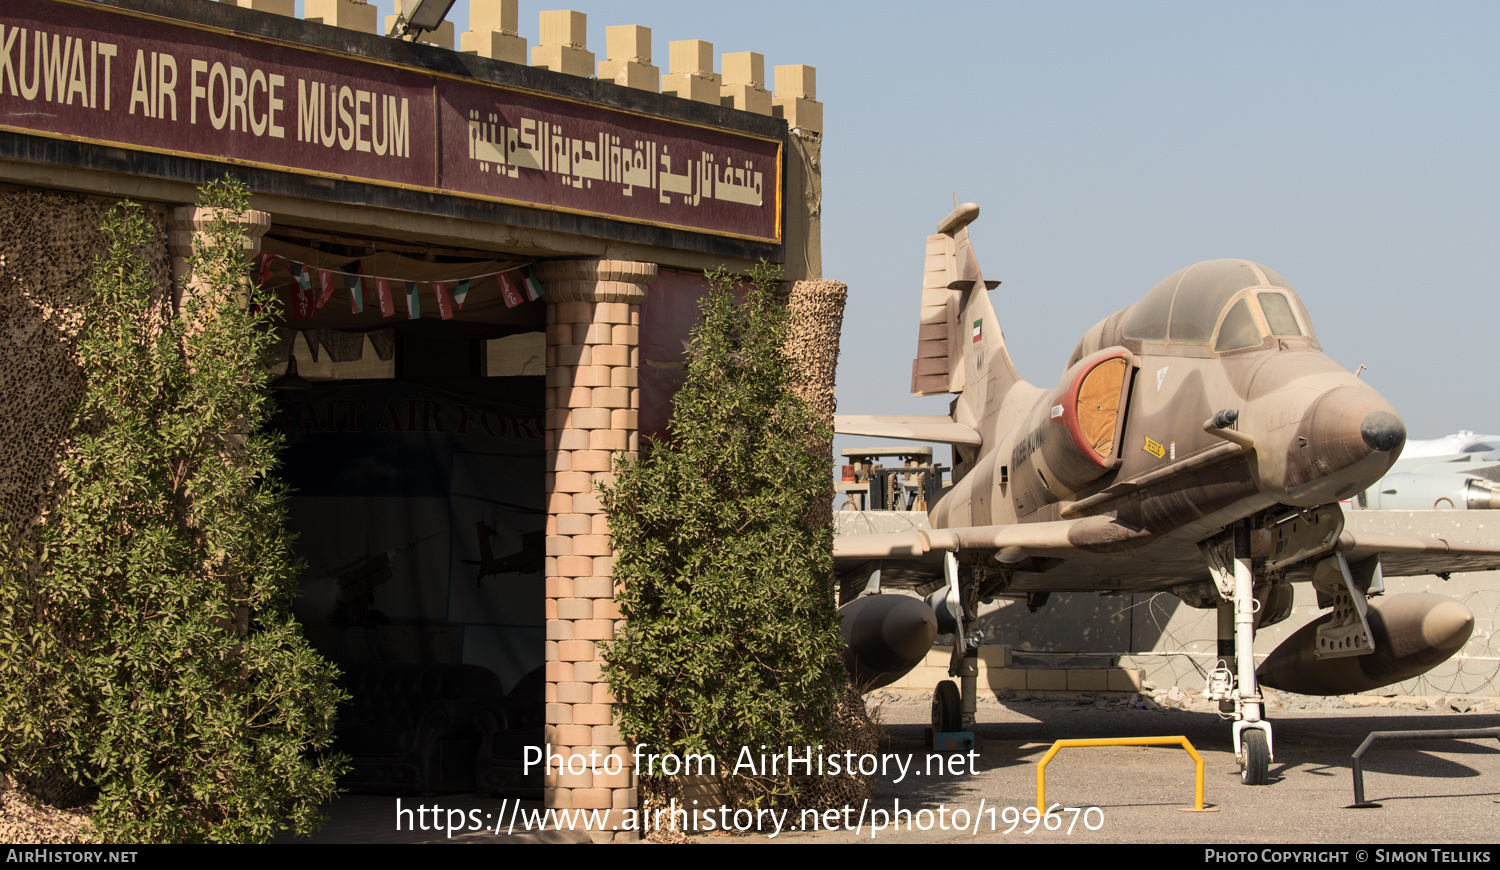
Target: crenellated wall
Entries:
(563, 47)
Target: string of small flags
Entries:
(314, 286)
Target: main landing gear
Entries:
(953, 705)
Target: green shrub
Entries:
(151, 658)
(731, 638)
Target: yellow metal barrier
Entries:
(1041, 767)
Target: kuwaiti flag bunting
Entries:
(533, 286)
(302, 297)
(356, 291)
(517, 285)
(413, 301)
(263, 267)
(508, 291)
(325, 286)
(383, 291)
(445, 305)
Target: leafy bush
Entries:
(731, 638)
(147, 652)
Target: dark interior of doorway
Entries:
(415, 452)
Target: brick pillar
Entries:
(593, 318)
(187, 223)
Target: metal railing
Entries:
(1376, 736)
(1041, 767)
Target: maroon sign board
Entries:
(73, 70)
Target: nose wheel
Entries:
(1255, 758)
(1233, 682)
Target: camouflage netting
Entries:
(48, 242)
(817, 309)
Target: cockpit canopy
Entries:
(1225, 305)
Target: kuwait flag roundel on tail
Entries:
(978, 330)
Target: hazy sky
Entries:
(1349, 146)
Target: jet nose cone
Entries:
(1383, 431)
(1349, 436)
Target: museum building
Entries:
(489, 254)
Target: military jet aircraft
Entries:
(1456, 472)
(1199, 441)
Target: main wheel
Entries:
(1255, 766)
(947, 709)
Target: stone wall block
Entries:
(612, 355)
(593, 629)
(577, 651)
(575, 566)
(591, 460)
(573, 524)
(610, 397)
(574, 481)
(576, 312)
(592, 799)
(591, 714)
(594, 588)
(625, 799)
(587, 503)
(570, 355)
(608, 439)
(575, 608)
(571, 735)
(591, 418)
(349, 14)
(590, 545)
(608, 735)
(573, 439)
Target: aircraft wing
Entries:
(1406, 556)
(1018, 540)
(911, 427)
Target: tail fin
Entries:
(959, 343)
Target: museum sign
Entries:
(89, 73)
